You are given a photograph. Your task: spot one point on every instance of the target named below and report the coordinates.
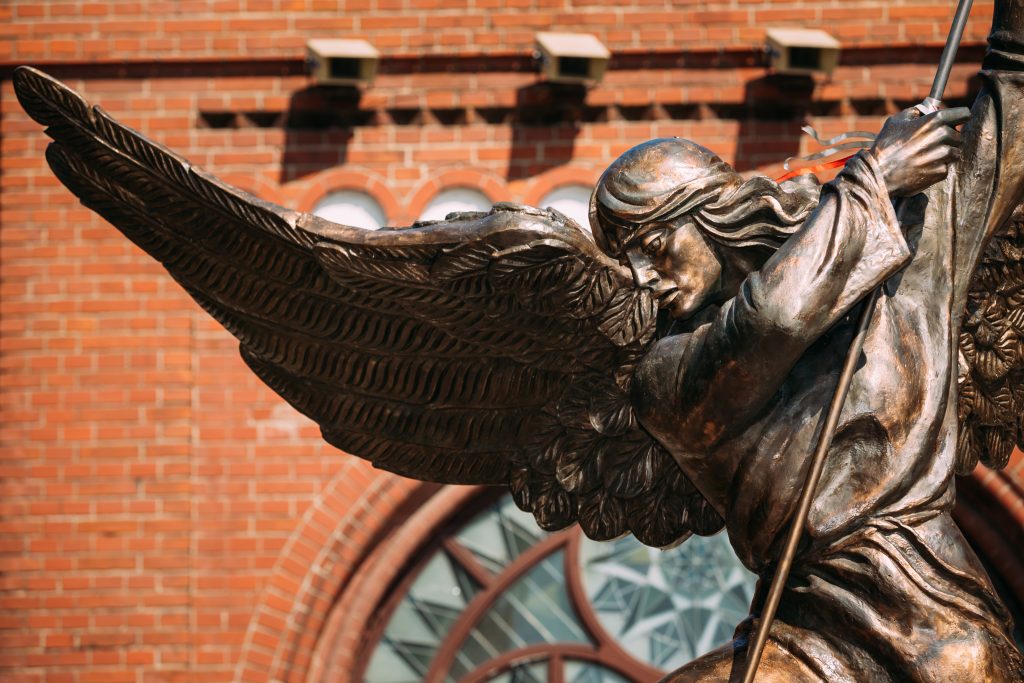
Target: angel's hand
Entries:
(915, 152)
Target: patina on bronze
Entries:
(672, 377)
(864, 319)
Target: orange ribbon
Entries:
(835, 163)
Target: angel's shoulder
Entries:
(656, 382)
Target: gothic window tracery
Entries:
(498, 599)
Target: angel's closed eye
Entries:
(654, 243)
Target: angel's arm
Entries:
(991, 179)
(721, 376)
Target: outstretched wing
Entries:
(992, 354)
(488, 348)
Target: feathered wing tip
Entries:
(47, 100)
(991, 400)
(488, 348)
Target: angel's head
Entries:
(688, 225)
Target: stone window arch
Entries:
(496, 599)
(326, 603)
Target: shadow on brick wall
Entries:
(774, 109)
(545, 124)
(318, 129)
(776, 106)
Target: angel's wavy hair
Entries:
(664, 179)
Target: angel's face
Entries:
(676, 262)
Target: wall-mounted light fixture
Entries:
(802, 50)
(341, 61)
(571, 57)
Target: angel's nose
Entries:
(643, 270)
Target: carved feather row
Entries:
(488, 348)
(991, 405)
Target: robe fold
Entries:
(885, 587)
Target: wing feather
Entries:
(991, 407)
(488, 348)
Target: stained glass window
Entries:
(499, 600)
(667, 608)
(533, 610)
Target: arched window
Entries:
(573, 201)
(498, 599)
(454, 200)
(350, 207)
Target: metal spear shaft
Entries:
(771, 605)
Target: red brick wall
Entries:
(154, 496)
(160, 29)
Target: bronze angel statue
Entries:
(669, 375)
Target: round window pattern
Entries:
(573, 201)
(455, 200)
(349, 207)
(499, 600)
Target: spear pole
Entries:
(930, 104)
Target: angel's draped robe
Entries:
(885, 588)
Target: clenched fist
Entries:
(915, 151)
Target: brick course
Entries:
(160, 29)
(159, 507)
